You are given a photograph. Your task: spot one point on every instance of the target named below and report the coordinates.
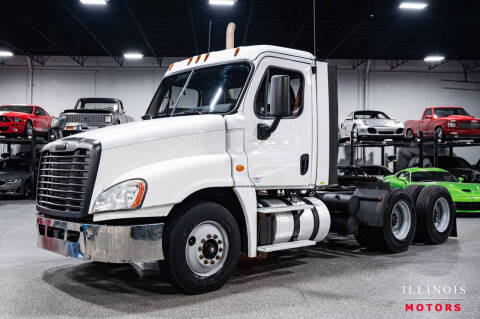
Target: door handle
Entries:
(304, 161)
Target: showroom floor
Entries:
(332, 280)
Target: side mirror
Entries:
(403, 179)
(429, 117)
(461, 179)
(349, 118)
(58, 123)
(279, 96)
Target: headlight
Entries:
(124, 196)
(367, 122)
(108, 119)
(452, 124)
(17, 120)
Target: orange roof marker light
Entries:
(236, 51)
(190, 60)
(206, 57)
(240, 168)
(198, 58)
(171, 66)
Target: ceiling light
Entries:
(4, 53)
(413, 5)
(222, 2)
(95, 2)
(434, 58)
(133, 56)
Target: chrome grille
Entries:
(89, 119)
(62, 180)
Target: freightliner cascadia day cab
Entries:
(237, 154)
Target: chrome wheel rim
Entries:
(401, 220)
(206, 249)
(355, 134)
(439, 133)
(29, 130)
(409, 134)
(441, 214)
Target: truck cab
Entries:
(237, 153)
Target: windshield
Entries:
(350, 171)
(96, 105)
(370, 115)
(376, 170)
(433, 177)
(200, 91)
(17, 108)
(14, 165)
(453, 162)
(447, 111)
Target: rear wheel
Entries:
(436, 215)
(201, 247)
(399, 223)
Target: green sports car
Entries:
(465, 195)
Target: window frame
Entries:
(263, 81)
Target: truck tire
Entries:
(201, 247)
(414, 191)
(436, 215)
(399, 224)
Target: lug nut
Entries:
(215, 236)
(212, 262)
(219, 241)
(200, 248)
(201, 256)
(220, 249)
(205, 262)
(203, 241)
(209, 236)
(218, 257)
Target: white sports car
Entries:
(370, 125)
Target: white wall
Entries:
(403, 93)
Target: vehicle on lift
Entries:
(449, 122)
(16, 177)
(93, 113)
(377, 171)
(239, 155)
(352, 175)
(370, 125)
(466, 196)
(21, 120)
(458, 166)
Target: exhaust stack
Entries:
(231, 35)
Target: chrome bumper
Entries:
(90, 242)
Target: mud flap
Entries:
(373, 202)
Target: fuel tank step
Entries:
(283, 209)
(288, 245)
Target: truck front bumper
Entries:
(103, 243)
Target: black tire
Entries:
(441, 136)
(414, 191)
(425, 206)
(383, 238)
(28, 130)
(409, 134)
(354, 137)
(178, 235)
(27, 192)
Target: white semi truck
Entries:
(237, 153)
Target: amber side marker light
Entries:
(190, 60)
(240, 168)
(198, 58)
(236, 51)
(206, 57)
(171, 66)
(141, 192)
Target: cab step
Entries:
(288, 245)
(282, 209)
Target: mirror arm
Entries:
(264, 130)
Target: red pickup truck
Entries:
(450, 122)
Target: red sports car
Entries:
(16, 120)
(450, 122)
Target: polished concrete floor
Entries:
(336, 279)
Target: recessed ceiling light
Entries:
(133, 56)
(95, 2)
(4, 53)
(222, 2)
(413, 5)
(434, 58)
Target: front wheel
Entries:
(409, 134)
(440, 135)
(28, 130)
(201, 247)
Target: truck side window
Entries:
(262, 105)
(427, 112)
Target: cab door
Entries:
(284, 159)
(426, 123)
